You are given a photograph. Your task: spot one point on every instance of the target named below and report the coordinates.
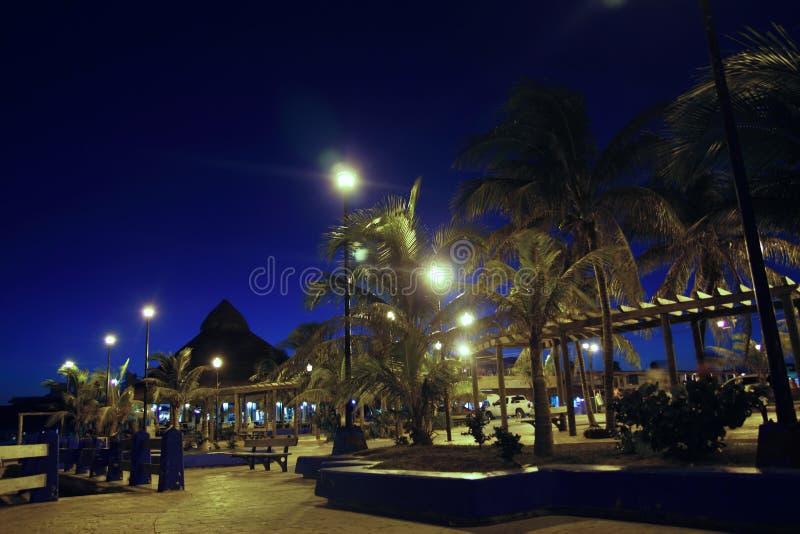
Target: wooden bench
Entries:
(267, 456)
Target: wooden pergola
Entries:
(266, 392)
(663, 313)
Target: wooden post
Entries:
(559, 379)
(573, 431)
(587, 391)
(19, 429)
(296, 419)
(237, 410)
(501, 386)
(669, 345)
(791, 326)
(274, 412)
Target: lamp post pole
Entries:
(148, 313)
(348, 409)
(110, 340)
(217, 363)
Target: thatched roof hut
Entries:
(225, 333)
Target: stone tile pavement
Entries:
(235, 499)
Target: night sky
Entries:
(155, 154)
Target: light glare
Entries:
(467, 319)
(345, 179)
(148, 312)
(217, 362)
(463, 350)
(110, 339)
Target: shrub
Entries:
(687, 424)
(508, 444)
(475, 421)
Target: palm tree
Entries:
(176, 381)
(546, 285)
(764, 81)
(543, 169)
(79, 396)
(120, 405)
(396, 315)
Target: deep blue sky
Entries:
(154, 154)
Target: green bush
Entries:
(688, 424)
(475, 422)
(508, 444)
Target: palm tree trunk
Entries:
(587, 393)
(607, 346)
(543, 433)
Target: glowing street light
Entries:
(345, 179)
(390, 315)
(216, 363)
(440, 277)
(437, 345)
(69, 364)
(147, 312)
(110, 339)
(466, 319)
(309, 367)
(463, 350)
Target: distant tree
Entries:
(176, 381)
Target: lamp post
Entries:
(345, 181)
(440, 280)
(348, 439)
(147, 312)
(216, 363)
(69, 365)
(110, 340)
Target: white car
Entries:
(516, 406)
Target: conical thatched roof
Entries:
(225, 333)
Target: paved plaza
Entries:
(235, 499)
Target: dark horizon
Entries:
(159, 157)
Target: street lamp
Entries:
(345, 181)
(437, 345)
(216, 363)
(147, 312)
(69, 365)
(348, 438)
(466, 319)
(110, 340)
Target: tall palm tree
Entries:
(543, 169)
(546, 285)
(176, 381)
(764, 82)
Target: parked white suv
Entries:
(516, 406)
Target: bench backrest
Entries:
(126, 444)
(281, 441)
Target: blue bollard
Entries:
(140, 455)
(171, 476)
(114, 461)
(47, 465)
(85, 455)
